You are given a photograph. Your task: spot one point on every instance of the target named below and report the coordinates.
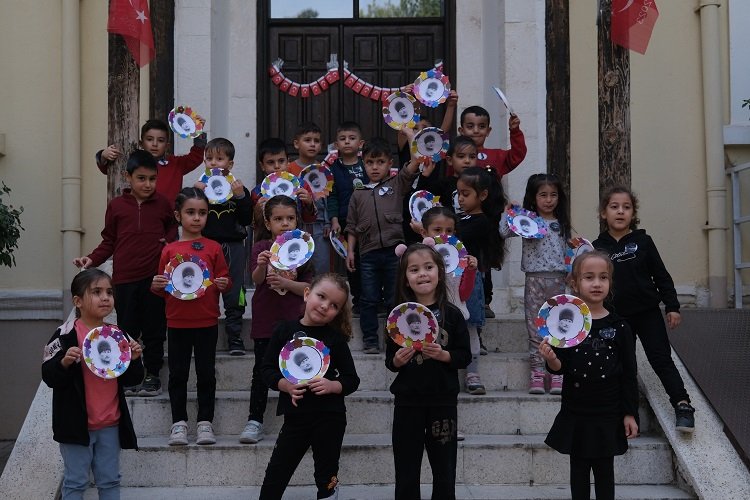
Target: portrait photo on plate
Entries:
(431, 89)
(105, 353)
(282, 186)
(292, 252)
(429, 143)
(217, 187)
(450, 256)
(316, 180)
(565, 321)
(526, 225)
(184, 123)
(187, 277)
(304, 362)
(401, 109)
(413, 325)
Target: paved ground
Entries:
(5, 449)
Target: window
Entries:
(355, 9)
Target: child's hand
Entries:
(471, 262)
(514, 122)
(222, 283)
(82, 262)
(350, 261)
(335, 226)
(452, 101)
(276, 281)
(416, 227)
(237, 188)
(409, 133)
(295, 391)
(261, 203)
(429, 167)
(304, 196)
(135, 349)
(673, 320)
(403, 356)
(200, 185)
(72, 355)
(159, 282)
(546, 351)
(264, 258)
(111, 153)
(409, 89)
(631, 428)
(326, 231)
(323, 386)
(435, 351)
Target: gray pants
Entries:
(234, 297)
(539, 287)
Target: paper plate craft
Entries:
(277, 183)
(430, 142)
(188, 277)
(185, 122)
(411, 325)
(526, 223)
(218, 185)
(454, 253)
(304, 359)
(576, 246)
(432, 88)
(399, 111)
(565, 319)
(339, 243)
(319, 178)
(292, 249)
(504, 99)
(420, 202)
(106, 351)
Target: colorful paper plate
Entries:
(218, 185)
(565, 319)
(432, 88)
(106, 351)
(399, 111)
(504, 99)
(304, 359)
(525, 223)
(411, 325)
(420, 202)
(339, 243)
(430, 142)
(278, 183)
(188, 277)
(576, 246)
(454, 253)
(319, 178)
(292, 249)
(185, 122)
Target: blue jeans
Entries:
(378, 272)
(321, 258)
(475, 302)
(102, 456)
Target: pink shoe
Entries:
(536, 385)
(555, 384)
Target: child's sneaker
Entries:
(474, 384)
(236, 346)
(371, 349)
(488, 312)
(178, 434)
(555, 384)
(205, 433)
(151, 386)
(684, 418)
(252, 433)
(460, 436)
(131, 390)
(482, 350)
(536, 385)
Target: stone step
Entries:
(385, 492)
(367, 412)
(516, 460)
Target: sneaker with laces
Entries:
(178, 434)
(205, 433)
(536, 385)
(684, 417)
(474, 384)
(131, 390)
(555, 384)
(252, 433)
(371, 349)
(236, 346)
(151, 386)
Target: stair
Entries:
(503, 456)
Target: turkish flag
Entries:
(130, 18)
(632, 23)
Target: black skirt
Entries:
(587, 435)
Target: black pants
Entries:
(604, 478)
(324, 432)
(649, 327)
(234, 298)
(258, 388)
(140, 314)
(183, 343)
(488, 287)
(416, 429)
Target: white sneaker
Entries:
(252, 433)
(205, 433)
(178, 434)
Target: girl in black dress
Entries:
(600, 391)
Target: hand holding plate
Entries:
(221, 283)
(238, 189)
(264, 258)
(514, 122)
(135, 349)
(296, 391)
(435, 351)
(72, 355)
(403, 356)
(159, 282)
(303, 195)
(323, 386)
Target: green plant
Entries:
(10, 229)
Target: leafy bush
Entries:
(10, 229)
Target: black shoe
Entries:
(488, 312)
(684, 418)
(131, 390)
(482, 349)
(151, 386)
(236, 346)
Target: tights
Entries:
(604, 478)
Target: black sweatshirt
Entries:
(226, 221)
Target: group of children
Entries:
(367, 204)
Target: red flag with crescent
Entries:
(132, 20)
(632, 23)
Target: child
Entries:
(462, 153)
(373, 227)
(226, 225)
(278, 296)
(155, 140)
(426, 387)
(307, 142)
(136, 225)
(314, 413)
(404, 140)
(193, 325)
(600, 392)
(438, 221)
(481, 198)
(90, 418)
(543, 261)
(642, 283)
